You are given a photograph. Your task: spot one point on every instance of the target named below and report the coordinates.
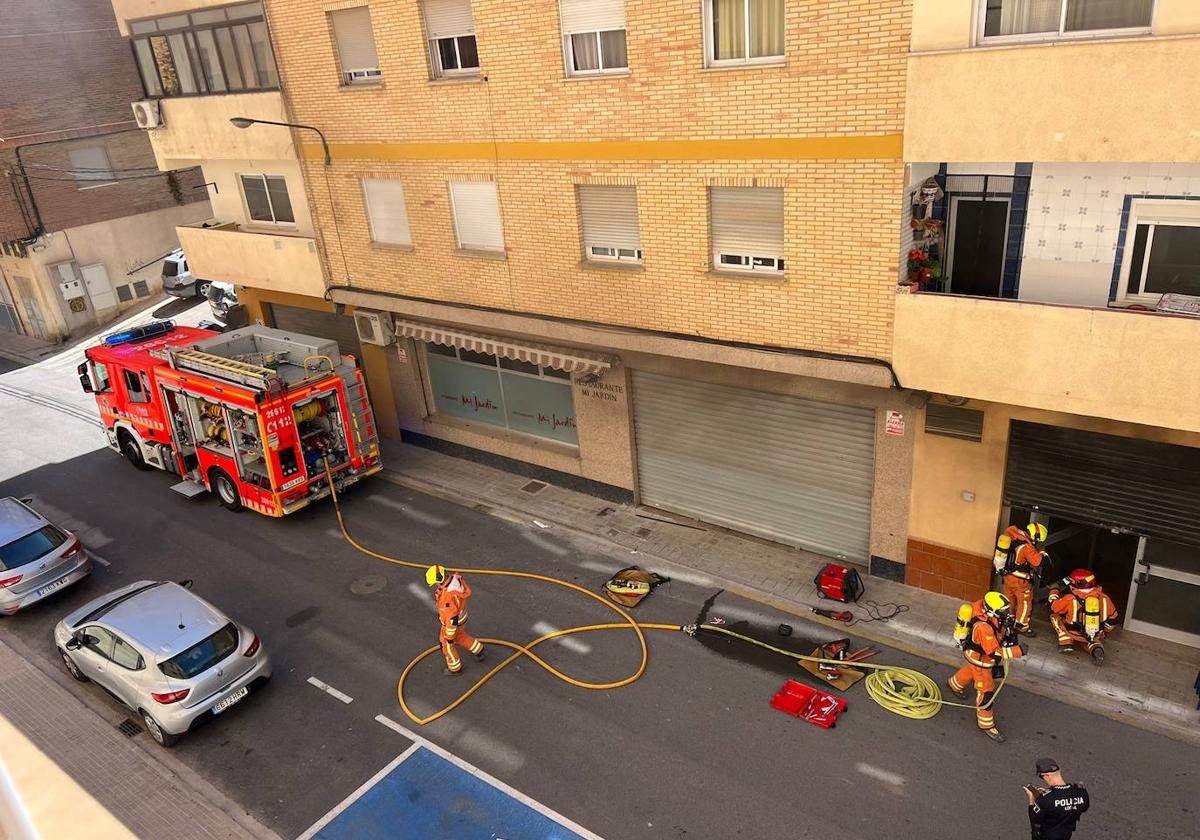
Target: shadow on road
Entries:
(175, 306)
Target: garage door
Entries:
(792, 470)
(320, 324)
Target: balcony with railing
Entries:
(231, 253)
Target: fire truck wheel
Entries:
(226, 490)
(131, 450)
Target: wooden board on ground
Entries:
(848, 678)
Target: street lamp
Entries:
(246, 122)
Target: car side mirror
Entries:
(186, 583)
(26, 500)
(73, 643)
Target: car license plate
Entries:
(47, 589)
(226, 702)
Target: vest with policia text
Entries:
(1054, 813)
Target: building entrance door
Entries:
(1164, 599)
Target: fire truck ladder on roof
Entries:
(246, 373)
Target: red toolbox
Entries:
(810, 704)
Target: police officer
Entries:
(1054, 810)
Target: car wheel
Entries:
(72, 668)
(131, 450)
(202, 288)
(162, 737)
(226, 490)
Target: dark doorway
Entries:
(978, 229)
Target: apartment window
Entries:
(451, 33)
(609, 217)
(91, 167)
(267, 199)
(1163, 244)
(747, 228)
(594, 36)
(1063, 18)
(205, 52)
(955, 422)
(476, 206)
(386, 211)
(743, 32)
(509, 393)
(355, 45)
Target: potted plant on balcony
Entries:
(924, 271)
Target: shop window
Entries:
(507, 393)
(952, 421)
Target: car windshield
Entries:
(30, 547)
(170, 268)
(200, 657)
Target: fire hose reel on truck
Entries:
(252, 414)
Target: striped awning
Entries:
(574, 361)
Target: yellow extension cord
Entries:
(902, 691)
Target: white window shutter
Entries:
(355, 41)
(446, 18)
(477, 215)
(747, 220)
(610, 217)
(90, 163)
(592, 15)
(386, 211)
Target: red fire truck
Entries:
(251, 414)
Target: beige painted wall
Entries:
(197, 128)
(228, 202)
(945, 467)
(1135, 367)
(282, 263)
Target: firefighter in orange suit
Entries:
(1082, 614)
(988, 640)
(452, 594)
(1018, 559)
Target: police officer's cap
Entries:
(1046, 765)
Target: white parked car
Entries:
(177, 279)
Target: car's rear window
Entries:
(30, 547)
(170, 268)
(200, 657)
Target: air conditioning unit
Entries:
(148, 113)
(363, 74)
(374, 327)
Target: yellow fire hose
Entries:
(901, 691)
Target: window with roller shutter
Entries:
(355, 45)
(747, 229)
(450, 32)
(476, 207)
(609, 218)
(387, 211)
(593, 36)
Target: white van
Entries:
(177, 278)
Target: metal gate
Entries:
(788, 469)
(321, 324)
(1142, 486)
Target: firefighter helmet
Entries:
(435, 575)
(1081, 579)
(1037, 532)
(996, 605)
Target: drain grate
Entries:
(129, 727)
(533, 487)
(642, 532)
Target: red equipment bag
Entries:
(841, 583)
(809, 704)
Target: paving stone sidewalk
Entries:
(1145, 681)
(141, 791)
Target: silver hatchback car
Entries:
(36, 557)
(167, 654)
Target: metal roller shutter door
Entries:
(319, 324)
(1139, 485)
(788, 469)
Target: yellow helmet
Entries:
(995, 603)
(1037, 532)
(435, 575)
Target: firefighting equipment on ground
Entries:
(987, 633)
(1082, 614)
(630, 585)
(902, 691)
(840, 583)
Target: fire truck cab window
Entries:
(134, 387)
(100, 380)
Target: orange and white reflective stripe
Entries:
(475, 648)
(452, 660)
(137, 421)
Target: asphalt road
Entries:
(691, 750)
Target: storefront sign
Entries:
(895, 424)
(602, 391)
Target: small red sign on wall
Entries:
(895, 424)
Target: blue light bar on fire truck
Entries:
(136, 334)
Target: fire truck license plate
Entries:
(226, 702)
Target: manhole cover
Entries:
(368, 584)
(533, 487)
(129, 727)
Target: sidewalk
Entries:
(1144, 682)
(138, 788)
(26, 349)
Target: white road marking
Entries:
(483, 776)
(499, 754)
(885, 776)
(569, 642)
(316, 827)
(411, 512)
(421, 593)
(330, 690)
(98, 558)
(544, 544)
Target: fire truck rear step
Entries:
(189, 489)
